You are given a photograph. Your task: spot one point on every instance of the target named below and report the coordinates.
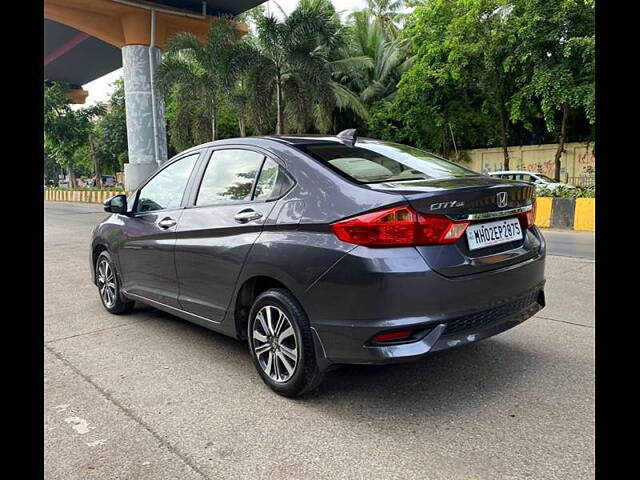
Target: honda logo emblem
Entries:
(502, 199)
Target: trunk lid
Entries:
(487, 198)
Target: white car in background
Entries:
(540, 180)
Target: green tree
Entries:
(439, 104)
(291, 69)
(482, 41)
(379, 59)
(464, 47)
(51, 169)
(556, 47)
(110, 133)
(387, 14)
(199, 76)
(66, 131)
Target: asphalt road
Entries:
(150, 396)
(570, 243)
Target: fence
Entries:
(583, 181)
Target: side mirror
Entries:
(117, 204)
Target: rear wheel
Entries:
(281, 344)
(109, 287)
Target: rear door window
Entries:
(229, 177)
(236, 175)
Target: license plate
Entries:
(488, 234)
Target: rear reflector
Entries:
(392, 336)
(398, 226)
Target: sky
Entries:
(100, 89)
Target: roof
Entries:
(309, 139)
(76, 58)
(515, 171)
(302, 139)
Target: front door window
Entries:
(165, 190)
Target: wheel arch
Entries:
(246, 295)
(97, 249)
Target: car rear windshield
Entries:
(376, 162)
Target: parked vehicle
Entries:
(108, 180)
(538, 179)
(324, 250)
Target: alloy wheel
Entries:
(274, 343)
(107, 283)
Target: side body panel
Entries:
(211, 248)
(146, 257)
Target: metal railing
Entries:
(583, 181)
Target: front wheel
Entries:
(281, 344)
(109, 287)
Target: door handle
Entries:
(167, 222)
(245, 216)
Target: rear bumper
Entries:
(372, 291)
(352, 344)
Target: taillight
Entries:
(528, 219)
(398, 226)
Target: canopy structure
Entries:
(86, 39)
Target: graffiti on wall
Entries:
(546, 167)
(577, 160)
(585, 162)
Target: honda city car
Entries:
(320, 251)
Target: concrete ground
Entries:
(150, 396)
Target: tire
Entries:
(111, 298)
(270, 352)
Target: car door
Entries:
(215, 233)
(146, 254)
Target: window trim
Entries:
(206, 159)
(187, 188)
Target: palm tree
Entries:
(291, 68)
(387, 14)
(200, 75)
(382, 58)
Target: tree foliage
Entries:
(67, 131)
(556, 49)
(110, 132)
(197, 78)
(447, 76)
(292, 69)
(487, 71)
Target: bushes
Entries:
(564, 192)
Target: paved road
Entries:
(571, 243)
(149, 396)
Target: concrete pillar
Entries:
(146, 131)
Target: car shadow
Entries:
(461, 379)
(482, 367)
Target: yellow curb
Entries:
(82, 196)
(585, 215)
(543, 211)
